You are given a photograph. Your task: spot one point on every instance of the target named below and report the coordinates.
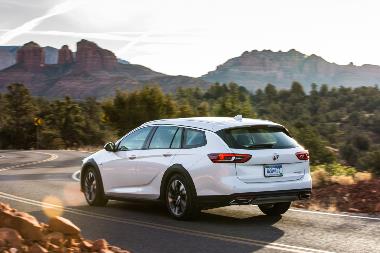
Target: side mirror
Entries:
(110, 147)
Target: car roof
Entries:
(212, 123)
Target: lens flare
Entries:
(52, 206)
(72, 194)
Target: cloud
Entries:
(132, 38)
(31, 24)
(132, 43)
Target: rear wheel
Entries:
(180, 198)
(93, 190)
(275, 209)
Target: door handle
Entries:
(131, 157)
(167, 154)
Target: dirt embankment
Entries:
(361, 197)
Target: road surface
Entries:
(41, 182)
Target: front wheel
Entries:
(275, 209)
(180, 198)
(93, 190)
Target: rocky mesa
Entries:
(255, 69)
(89, 72)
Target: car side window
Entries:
(163, 137)
(193, 138)
(135, 140)
(176, 143)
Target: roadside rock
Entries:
(60, 224)
(25, 224)
(100, 244)
(56, 238)
(36, 248)
(11, 237)
(22, 233)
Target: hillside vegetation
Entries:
(337, 125)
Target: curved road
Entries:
(40, 182)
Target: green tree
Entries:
(19, 130)
(67, 117)
(310, 139)
(128, 110)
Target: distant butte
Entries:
(91, 71)
(31, 56)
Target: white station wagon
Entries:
(192, 164)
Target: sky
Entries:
(193, 37)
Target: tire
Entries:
(93, 188)
(180, 198)
(275, 209)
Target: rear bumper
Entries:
(254, 198)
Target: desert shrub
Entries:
(336, 169)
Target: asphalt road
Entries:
(40, 182)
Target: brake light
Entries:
(303, 155)
(229, 158)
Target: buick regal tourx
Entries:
(198, 163)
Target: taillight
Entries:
(303, 155)
(229, 158)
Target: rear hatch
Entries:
(273, 153)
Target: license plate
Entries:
(273, 170)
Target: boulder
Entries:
(25, 224)
(86, 245)
(24, 234)
(60, 224)
(99, 244)
(11, 237)
(36, 248)
(56, 238)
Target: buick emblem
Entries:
(275, 157)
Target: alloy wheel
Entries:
(90, 186)
(177, 197)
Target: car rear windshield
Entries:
(257, 137)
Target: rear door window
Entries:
(257, 137)
(177, 140)
(163, 137)
(193, 138)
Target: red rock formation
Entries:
(90, 57)
(65, 55)
(31, 56)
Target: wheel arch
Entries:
(175, 169)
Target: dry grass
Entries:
(343, 180)
(323, 175)
(362, 176)
(320, 177)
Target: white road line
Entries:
(76, 176)
(51, 158)
(335, 214)
(264, 244)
